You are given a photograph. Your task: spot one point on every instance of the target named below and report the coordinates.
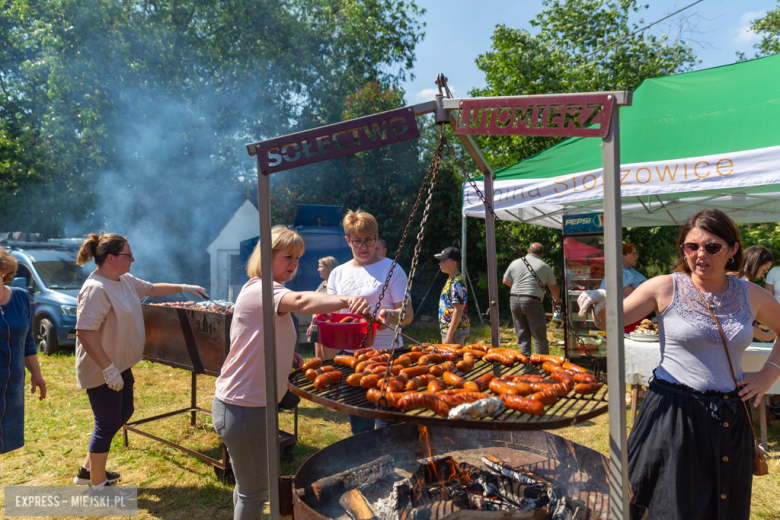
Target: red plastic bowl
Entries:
(340, 336)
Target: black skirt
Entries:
(690, 455)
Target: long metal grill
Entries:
(567, 411)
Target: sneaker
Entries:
(82, 479)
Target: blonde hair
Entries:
(281, 239)
(359, 223)
(99, 247)
(7, 264)
(329, 262)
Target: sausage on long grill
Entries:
(415, 400)
(523, 405)
(327, 379)
(312, 363)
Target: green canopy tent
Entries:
(703, 139)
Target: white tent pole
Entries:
(269, 341)
(616, 368)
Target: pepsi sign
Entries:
(585, 223)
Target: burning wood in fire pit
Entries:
(441, 487)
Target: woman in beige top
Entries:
(110, 339)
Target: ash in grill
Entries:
(462, 474)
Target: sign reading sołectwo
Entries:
(329, 142)
(556, 115)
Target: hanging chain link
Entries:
(433, 171)
(521, 256)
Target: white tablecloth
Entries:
(643, 357)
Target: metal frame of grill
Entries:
(446, 111)
(567, 411)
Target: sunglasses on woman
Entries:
(710, 248)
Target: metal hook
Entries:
(441, 82)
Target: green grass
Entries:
(173, 485)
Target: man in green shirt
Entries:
(453, 318)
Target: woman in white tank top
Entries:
(691, 449)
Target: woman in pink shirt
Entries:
(238, 410)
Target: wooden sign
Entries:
(585, 115)
(329, 142)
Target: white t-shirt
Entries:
(242, 379)
(773, 277)
(112, 308)
(367, 281)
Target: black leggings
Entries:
(111, 409)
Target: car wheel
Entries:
(46, 337)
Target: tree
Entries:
(132, 116)
(567, 54)
(769, 29)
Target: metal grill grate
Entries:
(567, 411)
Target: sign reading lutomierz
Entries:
(557, 115)
(329, 142)
(70, 501)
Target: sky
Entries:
(458, 31)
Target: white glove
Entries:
(194, 290)
(113, 378)
(596, 299)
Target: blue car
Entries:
(54, 281)
(49, 272)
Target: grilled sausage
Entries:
(545, 396)
(438, 370)
(483, 381)
(393, 385)
(453, 379)
(476, 353)
(429, 359)
(392, 397)
(523, 405)
(369, 381)
(380, 358)
(361, 351)
(381, 369)
(431, 402)
(328, 378)
(396, 369)
(583, 377)
(312, 373)
(465, 366)
(312, 363)
(401, 377)
(563, 377)
(479, 346)
(416, 371)
(551, 367)
(417, 348)
(347, 361)
(354, 379)
(561, 389)
(437, 385)
(526, 377)
(462, 398)
(403, 361)
(368, 355)
(522, 388)
(587, 388)
(419, 381)
(538, 359)
(452, 391)
(501, 387)
(519, 356)
(414, 356)
(504, 359)
(573, 367)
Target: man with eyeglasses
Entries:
(365, 275)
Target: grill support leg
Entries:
(193, 397)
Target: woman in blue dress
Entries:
(17, 351)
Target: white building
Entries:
(225, 260)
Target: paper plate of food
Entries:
(646, 331)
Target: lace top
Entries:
(691, 348)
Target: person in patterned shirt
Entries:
(453, 317)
